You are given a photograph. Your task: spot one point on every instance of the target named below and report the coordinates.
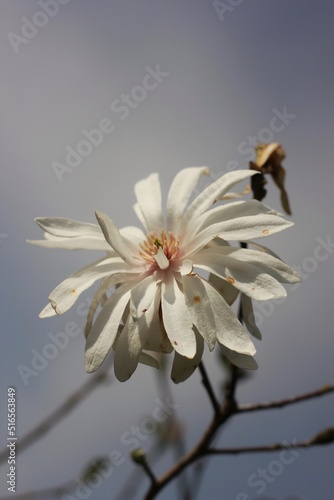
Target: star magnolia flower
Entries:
(158, 301)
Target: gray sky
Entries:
(224, 78)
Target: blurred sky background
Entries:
(224, 75)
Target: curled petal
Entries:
(130, 343)
(104, 331)
(248, 316)
(240, 360)
(184, 367)
(230, 332)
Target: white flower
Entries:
(158, 300)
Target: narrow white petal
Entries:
(142, 296)
(148, 195)
(140, 216)
(240, 360)
(47, 312)
(214, 192)
(233, 211)
(177, 319)
(114, 238)
(78, 243)
(157, 339)
(96, 301)
(228, 291)
(133, 234)
(148, 359)
(183, 367)
(104, 331)
(229, 332)
(239, 229)
(185, 267)
(179, 193)
(248, 316)
(130, 344)
(67, 228)
(68, 292)
(265, 262)
(244, 276)
(198, 303)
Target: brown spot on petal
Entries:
(73, 291)
(266, 231)
(230, 280)
(144, 310)
(197, 299)
(175, 343)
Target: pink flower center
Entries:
(160, 249)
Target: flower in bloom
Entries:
(153, 297)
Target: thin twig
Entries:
(285, 402)
(322, 438)
(207, 384)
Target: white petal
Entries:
(114, 238)
(265, 262)
(239, 229)
(157, 339)
(142, 296)
(228, 291)
(185, 266)
(248, 316)
(133, 234)
(96, 301)
(148, 359)
(214, 192)
(67, 228)
(233, 210)
(104, 331)
(230, 332)
(177, 319)
(179, 193)
(245, 277)
(130, 344)
(183, 367)
(240, 360)
(200, 309)
(47, 312)
(68, 292)
(148, 195)
(78, 243)
(140, 215)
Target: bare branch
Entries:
(324, 437)
(288, 401)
